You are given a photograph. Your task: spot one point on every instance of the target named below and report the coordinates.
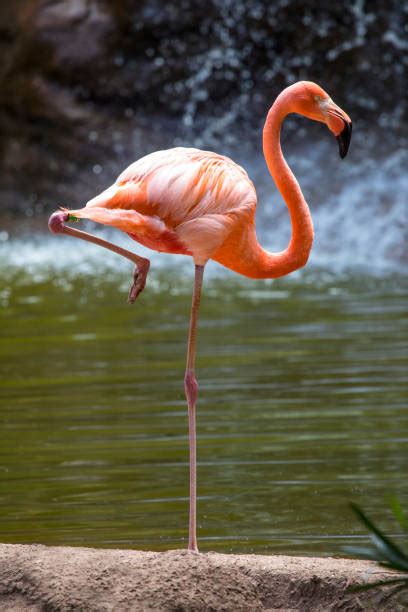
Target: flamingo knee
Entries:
(191, 387)
(56, 222)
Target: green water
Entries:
(301, 410)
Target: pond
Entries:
(301, 407)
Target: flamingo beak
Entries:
(344, 138)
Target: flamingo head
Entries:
(313, 102)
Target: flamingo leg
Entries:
(57, 225)
(191, 390)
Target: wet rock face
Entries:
(83, 79)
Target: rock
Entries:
(62, 578)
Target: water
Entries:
(302, 404)
(301, 408)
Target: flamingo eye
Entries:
(318, 98)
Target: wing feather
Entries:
(182, 184)
(195, 196)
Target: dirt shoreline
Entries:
(39, 578)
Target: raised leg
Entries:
(191, 389)
(57, 225)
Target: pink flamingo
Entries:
(202, 204)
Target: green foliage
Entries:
(384, 551)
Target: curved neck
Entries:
(296, 254)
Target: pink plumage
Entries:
(177, 201)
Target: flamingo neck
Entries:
(272, 265)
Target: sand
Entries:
(36, 577)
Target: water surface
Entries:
(301, 409)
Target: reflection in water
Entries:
(301, 410)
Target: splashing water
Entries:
(212, 90)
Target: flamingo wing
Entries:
(179, 201)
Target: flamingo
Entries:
(202, 204)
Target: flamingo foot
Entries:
(139, 280)
(57, 225)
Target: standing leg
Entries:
(191, 389)
(57, 225)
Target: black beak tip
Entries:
(344, 139)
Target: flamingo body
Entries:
(180, 200)
(202, 204)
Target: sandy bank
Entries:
(61, 578)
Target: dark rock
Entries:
(85, 81)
